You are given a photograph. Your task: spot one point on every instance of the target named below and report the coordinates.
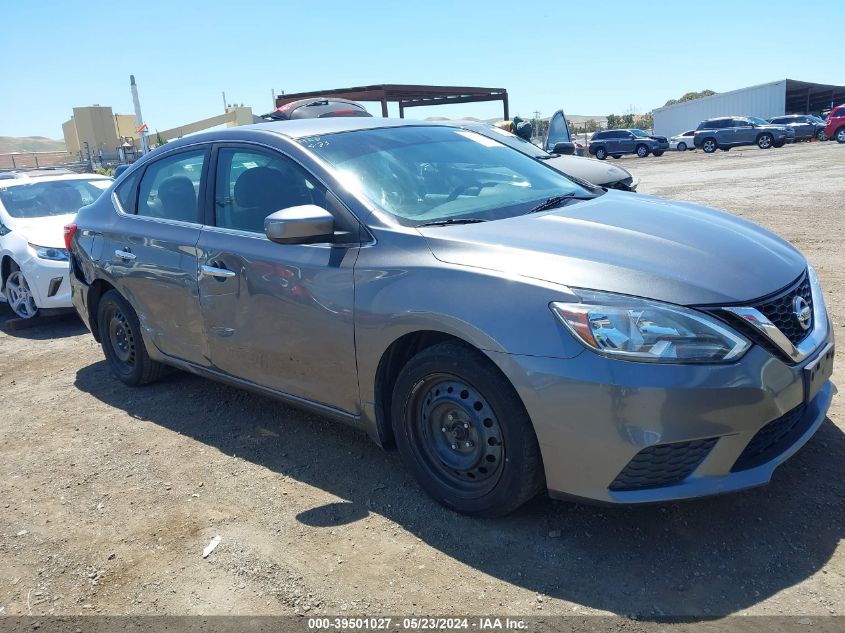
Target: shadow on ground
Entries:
(59, 324)
(713, 556)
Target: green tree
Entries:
(613, 122)
(690, 96)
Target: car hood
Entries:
(46, 231)
(631, 244)
(589, 169)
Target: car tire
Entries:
(709, 145)
(658, 152)
(19, 295)
(123, 346)
(463, 432)
(641, 150)
(617, 156)
(821, 136)
(682, 147)
(839, 135)
(725, 149)
(779, 144)
(765, 141)
(600, 153)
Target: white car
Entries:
(682, 142)
(34, 208)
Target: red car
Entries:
(835, 128)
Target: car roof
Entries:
(42, 177)
(302, 128)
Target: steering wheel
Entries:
(461, 188)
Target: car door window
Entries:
(169, 188)
(252, 184)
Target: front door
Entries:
(277, 315)
(150, 251)
(744, 132)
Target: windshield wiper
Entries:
(450, 221)
(556, 201)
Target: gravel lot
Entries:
(108, 495)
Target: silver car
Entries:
(509, 329)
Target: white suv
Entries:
(34, 207)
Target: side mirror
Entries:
(564, 148)
(302, 224)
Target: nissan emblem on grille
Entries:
(802, 311)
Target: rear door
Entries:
(150, 251)
(277, 315)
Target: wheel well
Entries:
(95, 292)
(5, 270)
(392, 361)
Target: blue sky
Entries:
(585, 57)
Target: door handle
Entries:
(124, 255)
(211, 271)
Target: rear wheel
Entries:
(19, 295)
(658, 152)
(601, 153)
(839, 135)
(682, 147)
(122, 344)
(709, 145)
(617, 156)
(463, 432)
(779, 143)
(765, 141)
(725, 149)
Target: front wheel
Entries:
(658, 152)
(463, 432)
(642, 151)
(601, 153)
(682, 147)
(617, 156)
(765, 141)
(19, 295)
(821, 136)
(120, 336)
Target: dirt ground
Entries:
(108, 495)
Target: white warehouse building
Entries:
(777, 98)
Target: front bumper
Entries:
(594, 415)
(48, 281)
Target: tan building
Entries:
(92, 129)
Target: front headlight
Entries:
(641, 330)
(48, 252)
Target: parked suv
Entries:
(805, 126)
(510, 330)
(727, 132)
(633, 141)
(835, 128)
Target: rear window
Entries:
(57, 197)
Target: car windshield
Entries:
(511, 140)
(424, 174)
(57, 197)
(639, 133)
(758, 120)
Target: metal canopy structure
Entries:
(407, 96)
(803, 97)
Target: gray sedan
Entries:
(508, 329)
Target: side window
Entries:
(598, 136)
(170, 186)
(839, 112)
(739, 123)
(127, 193)
(252, 184)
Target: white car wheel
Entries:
(19, 296)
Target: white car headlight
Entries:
(641, 330)
(48, 252)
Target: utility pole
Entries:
(139, 120)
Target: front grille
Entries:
(662, 465)
(773, 439)
(780, 311)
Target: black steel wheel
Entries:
(123, 346)
(464, 433)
